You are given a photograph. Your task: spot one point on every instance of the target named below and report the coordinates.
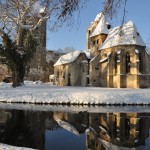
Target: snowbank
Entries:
(74, 108)
(46, 94)
(8, 147)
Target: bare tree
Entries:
(18, 21)
(65, 50)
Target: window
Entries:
(87, 80)
(108, 26)
(64, 75)
(96, 68)
(128, 63)
(58, 74)
(138, 34)
(93, 42)
(141, 64)
(97, 41)
(116, 58)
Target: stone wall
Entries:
(72, 74)
(4, 72)
(38, 67)
(121, 67)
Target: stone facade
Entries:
(38, 68)
(121, 67)
(73, 73)
(4, 72)
(119, 59)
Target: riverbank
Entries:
(38, 93)
(9, 147)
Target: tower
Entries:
(96, 34)
(38, 68)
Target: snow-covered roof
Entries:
(98, 16)
(87, 53)
(67, 58)
(94, 57)
(38, 8)
(126, 35)
(101, 28)
(104, 59)
(66, 125)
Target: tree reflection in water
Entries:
(50, 130)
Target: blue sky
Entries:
(137, 10)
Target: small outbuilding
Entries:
(72, 69)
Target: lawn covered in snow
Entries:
(37, 92)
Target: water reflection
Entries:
(75, 130)
(118, 131)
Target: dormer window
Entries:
(108, 26)
(137, 33)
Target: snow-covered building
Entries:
(72, 69)
(120, 59)
(38, 68)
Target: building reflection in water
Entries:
(118, 131)
(103, 130)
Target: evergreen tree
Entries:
(17, 58)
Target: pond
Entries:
(75, 128)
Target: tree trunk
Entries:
(18, 76)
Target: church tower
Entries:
(38, 69)
(96, 34)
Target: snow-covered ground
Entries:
(36, 92)
(74, 108)
(9, 147)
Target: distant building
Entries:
(51, 57)
(38, 67)
(5, 73)
(72, 69)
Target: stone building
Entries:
(51, 58)
(38, 67)
(72, 69)
(120, 59)
(4, 73)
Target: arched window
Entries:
(128, 67)
(115, 65)
(140, 64)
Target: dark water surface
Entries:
(74, 129)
